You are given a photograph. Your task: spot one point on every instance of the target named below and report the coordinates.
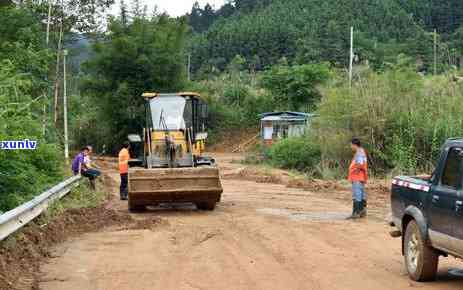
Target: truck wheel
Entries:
(421, 260)
(210, 205)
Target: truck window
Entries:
(452, 172)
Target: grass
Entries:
(80, 197)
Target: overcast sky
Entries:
(173, 7)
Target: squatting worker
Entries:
(91, 168)
(78, 163)
(88, 158)
(124, 157)
(358, 176)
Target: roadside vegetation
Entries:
(23, 67)
(402, 117)
(140, 53)
(81, 197)
(247, 57)
(237, 96)
(28, 79)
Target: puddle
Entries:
(456, 272)
(301, 216)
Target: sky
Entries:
(172, 7)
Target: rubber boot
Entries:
(364, 211)
(357, 207)
(125, 194)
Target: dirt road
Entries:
(262, 236)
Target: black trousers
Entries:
(124, 191)
(91, 173)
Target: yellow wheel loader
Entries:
(173, 168)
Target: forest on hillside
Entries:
(303, 31)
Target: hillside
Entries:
(318, 30)
(446, 15)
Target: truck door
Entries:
(458, 225)
(443, 197)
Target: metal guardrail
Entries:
(13, 220)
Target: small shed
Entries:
(279, 125)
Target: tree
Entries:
(137, 9)
(250, 5)
(306, 31)
(208, 16)
(24, 62)
(124, 14)
(201, 19)
(293, 87)
(5, 3)
(146, 55)
(86, 15)
(226, 10)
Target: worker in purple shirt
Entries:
(79, 167)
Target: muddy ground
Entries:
(22, 254)
(271, 231)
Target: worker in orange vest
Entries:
(358, 176)
(124, 157)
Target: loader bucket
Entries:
(199, 185)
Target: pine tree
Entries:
(124, 14)
(137, 8)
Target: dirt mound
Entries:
(231, 139)
(316, 185)
(108, 163)
(21, 255)
(254, 174)
(378, 190)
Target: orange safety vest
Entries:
(124, 157)
(358, 169)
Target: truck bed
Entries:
(407, 191)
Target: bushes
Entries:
(295, 87)
(402, 118)
(234, 102)
(23, 175)
(301, 153)
(24, 63)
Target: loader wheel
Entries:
(421, 260)
(210, 205)
(136, 208)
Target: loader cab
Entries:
(175, 131)
(177, 112)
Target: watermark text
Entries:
(25, 144)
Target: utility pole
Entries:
(60, 44)
(435, 51)
(44, 121)
(65, 108)
(48, 21)
(351, 58)
(189, 67)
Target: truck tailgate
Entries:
(412, 183)
(407, 191)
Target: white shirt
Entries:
(87, 161)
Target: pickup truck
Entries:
(427, 213)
